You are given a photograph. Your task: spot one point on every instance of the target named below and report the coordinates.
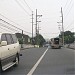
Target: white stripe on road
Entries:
(35, 66)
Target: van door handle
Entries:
(8, 48)
(14, 47)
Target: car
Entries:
(46, 45)
(9, 51)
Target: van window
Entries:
(14, 38)
(9, 39)
(3, 37)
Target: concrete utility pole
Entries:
(36, 26)
(22, 40)
(36, 22)
(32, 27)
(62, 26)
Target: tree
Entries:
(39, 40)
(68, 37)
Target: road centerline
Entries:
(37, 63)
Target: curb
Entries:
(26, 48)
(72, 48)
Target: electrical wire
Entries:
(59, 3)
(27, 5)
(71, 29)
(69, 25)
(14, 26)
(22, 7)
(7, 27)
(4, 29)
(13, 22)
(50, 33)
(9, 19)
(67, 6)
(10, 24)
(68, 12)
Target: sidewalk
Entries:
(26, 46)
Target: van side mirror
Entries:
(3, 43)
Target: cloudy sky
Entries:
(18, 13)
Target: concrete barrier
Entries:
(25, 46)
(72, 46)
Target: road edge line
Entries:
(37, 63)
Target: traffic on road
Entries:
(37, 37)
(44, 61)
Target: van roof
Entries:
(6, 33)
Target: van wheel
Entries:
(16, 60)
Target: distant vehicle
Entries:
(56, 43)
(9, 51)
(46, 45)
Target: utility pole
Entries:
(36, 22)
(37, 27)
(62, 26)
(22, 40)
(32, 27)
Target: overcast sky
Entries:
(19, 11)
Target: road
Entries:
(44, 61)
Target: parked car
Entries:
(9, 51)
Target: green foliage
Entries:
(20, 40)
(39, 40)
(68, 37)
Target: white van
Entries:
(9, 51)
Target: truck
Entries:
(56, 43)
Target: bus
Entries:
(56, 43)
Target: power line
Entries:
(7, 27)
(10, 24)
(9, 20)
(69, 25)
(22, 7)
(65, 4)
(13, 22)
(14, 26)
(71, 28)
(3, 28)
(27, 5)
(68, 4)
(59, 3)
(69, 11)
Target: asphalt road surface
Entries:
(44, 61)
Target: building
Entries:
(25, 39)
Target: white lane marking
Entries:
(35, 66)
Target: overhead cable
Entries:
(13, 22)
(15, 26)
(7, 27)
(68, 5)
(22, 7)
(27, 5)
(69, 25)
(68, 11)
